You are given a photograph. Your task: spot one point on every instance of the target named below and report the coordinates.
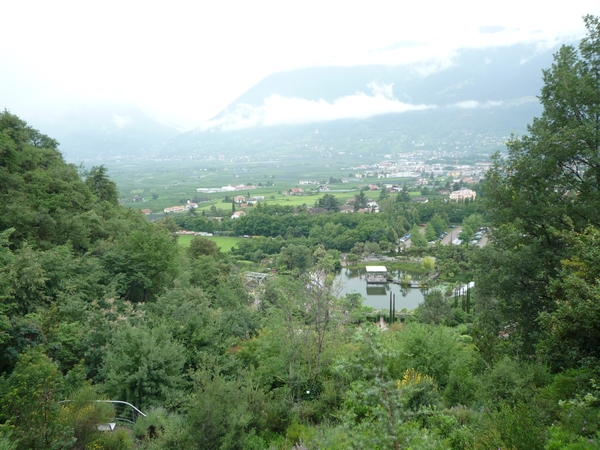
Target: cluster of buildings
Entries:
(243, 201)
(228, 188)
(418, 170)
(184, 208)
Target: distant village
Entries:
(422, 175)
(419, 171)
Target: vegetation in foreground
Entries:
(97, 303)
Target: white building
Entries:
(463, 194)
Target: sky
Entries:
(182, 62)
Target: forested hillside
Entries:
(98, 303)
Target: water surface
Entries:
(378, 295)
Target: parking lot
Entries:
(452, 234)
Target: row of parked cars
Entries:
(439, 237)
(404, 238)
(443, 234)
(478, 236)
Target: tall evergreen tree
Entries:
(550, 181)
(101, 185)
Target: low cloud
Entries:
(471, 104)
(491, 29)
(456, 87)
(121, 121)
(278, 110)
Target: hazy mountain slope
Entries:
(483, 97)
(477, 102)
(499, 73)
(105, 132)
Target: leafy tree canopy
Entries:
(549, 181)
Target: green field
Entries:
(172, 183)
(225, 243)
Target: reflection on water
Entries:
(376, 289)
(378, 295)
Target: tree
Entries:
(27, 279)
(474, 221)
(328, 202)
(428, 263)
(352, 258)
(466, 234)
(438, 223)
(308, 304)
(41, 197)
(143, 366)
(104, 188)
(417, 238)
(430, 233)
(144, 262)
(295, 257)
(555, 171)
(169, 225)
(83, 412)
(434, 309)
(360, 201)
(31, 403)
(202, 246)
(549, 181)
(383, 193)
(403, 195)
(572, 337)
(220, 412)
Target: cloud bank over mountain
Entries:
(280, 110)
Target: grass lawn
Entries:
(225, 243)
(272, 198)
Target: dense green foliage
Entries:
(546, 193)
(97, 301)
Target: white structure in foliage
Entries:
(463, 194)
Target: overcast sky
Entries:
(183, 61)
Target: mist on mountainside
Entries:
(106, 132)
(483, 95)
(489, 93)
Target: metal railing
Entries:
(124, 411)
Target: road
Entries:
(483, 241)
(452, 234)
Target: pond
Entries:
(378, 295)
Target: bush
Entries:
(143, 366)
(111, 440)
(512, 381)
(83, 413)
(520, 426)
(461, 387)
